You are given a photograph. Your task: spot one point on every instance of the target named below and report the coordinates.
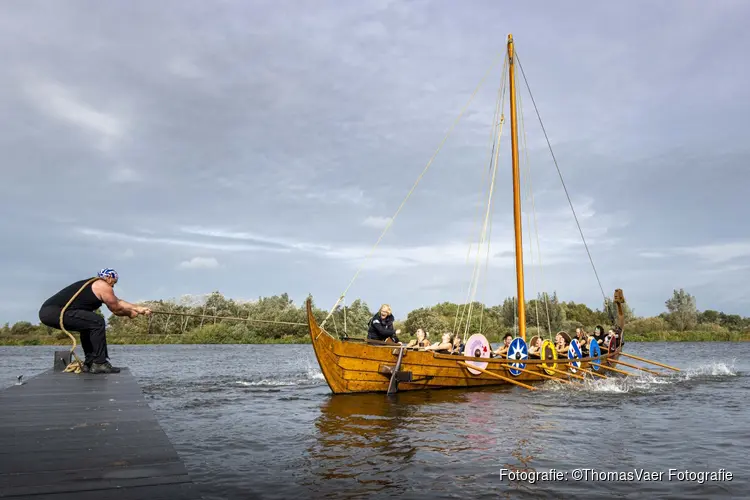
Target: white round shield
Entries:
(477, 347)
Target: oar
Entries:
(559, 379)
(583, 370)
(565, 373)
(591, 372)
(623, 363)
(649, 361)
(393, 386)
(498, 376)
(614, 369)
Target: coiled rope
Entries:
(77, 365)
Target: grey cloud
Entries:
(295, 124)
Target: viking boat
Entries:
(355, 365)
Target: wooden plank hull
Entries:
(351, 366)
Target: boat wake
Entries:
(639, 383)
(221, 390)
(311, 378)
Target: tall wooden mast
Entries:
(516, 192)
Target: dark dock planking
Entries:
(66, 436)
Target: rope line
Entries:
(482, 239)
(492, 145)
(501, 91)
(424, 171)
(234, 318)
(527, 185)
(483, 235)
(496, 133)
(484, 280)
(549, 145)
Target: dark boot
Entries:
(103, 368)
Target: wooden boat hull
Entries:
(354, 366)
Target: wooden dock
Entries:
(66, 436)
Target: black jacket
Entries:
(381, 329)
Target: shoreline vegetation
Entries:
(214, 319)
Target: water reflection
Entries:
(368, 443)
(418, 441)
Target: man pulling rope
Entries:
(74, 306)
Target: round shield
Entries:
(518, 350)
(549, 353)
(477, 347)
(574, 352)
(595, 352)
(612, 344)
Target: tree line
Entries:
(276, 319)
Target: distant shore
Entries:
(214, 319)
(187, 339)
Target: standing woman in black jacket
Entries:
(381, 325)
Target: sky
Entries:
(257, 148)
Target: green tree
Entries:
(549, 310)
(708, 316)
(357, 316)
(733, 322)
(508, 312)
(428, 320)
(580, 314)
(448, 310)
(22, 328)
(683, 314)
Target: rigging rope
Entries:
(492, 143)
(484, 281)
(424, 171)
(482, 238)
(496, 133)
(489, 236)
(528, 229)
(536, 227)
(561, 177)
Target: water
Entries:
(260, 422)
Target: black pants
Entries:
(89, 325)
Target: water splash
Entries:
(712, 369)
(642, 382)
(310, 377)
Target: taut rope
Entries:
(76, 366)
(228, 317)
(408, 195)
(549, 145)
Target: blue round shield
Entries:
(595, 352)
(518, 350)
(574, 352)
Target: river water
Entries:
(259, 421)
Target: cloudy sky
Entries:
(259, 147)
